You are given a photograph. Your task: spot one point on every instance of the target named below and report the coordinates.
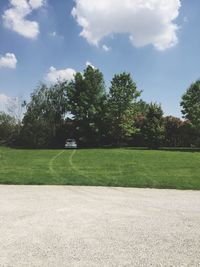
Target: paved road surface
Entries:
(84, 226)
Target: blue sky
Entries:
(163, 57)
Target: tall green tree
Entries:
(86, 100)
(153, 127)
(45, 116)
(121, 107)
(191, 104)
(8, 129)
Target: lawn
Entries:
(101, 167)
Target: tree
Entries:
(141, 108)
(191, 104)
(86, 100)
(15, 109)
(7, 129)
(44, 119)
(153, 126)
(121, 107)
(172, 131)
(188, 134)
(138, 139)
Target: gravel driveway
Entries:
(53, 226)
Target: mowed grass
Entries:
(101, 167)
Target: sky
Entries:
(157, 41)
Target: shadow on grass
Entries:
(110, 147)
(169, 149)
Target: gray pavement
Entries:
(90, 226)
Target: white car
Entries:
(71, 143)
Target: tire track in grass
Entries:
(51, 169)
(73, 166)
(90, 175)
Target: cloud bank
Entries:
(55, 75)
(15, 18)
(8, 61)
(146, 21)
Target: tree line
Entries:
(84, 110)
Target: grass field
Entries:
(101, 167)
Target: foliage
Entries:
(15, 108)
(141, 108)
(179, 133)
(189, 135)
(172, 131)
(86, 100)
(121, 107)
(44, 117)
(153, 126)
(8, 129)
(191, 104)
(84, 110)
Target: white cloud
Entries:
(146, 21)
(37, 3)
(15, 19)
(106, 48)
(55, 75)
(8, 61)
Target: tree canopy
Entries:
(191, 104)
(85, 110)
(153, 127)
(8, 128)
(122, 106)
(86, 96)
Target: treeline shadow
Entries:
(168, 149)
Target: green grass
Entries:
(101, 167)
